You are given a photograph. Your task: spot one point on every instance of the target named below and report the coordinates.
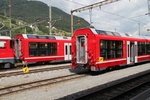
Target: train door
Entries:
(136, 51)
(131, 52)
(18, 49)
(81, 49)
(67, 51)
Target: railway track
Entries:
(2, 70)
(34, 71)
(22, 87)
(118, 91)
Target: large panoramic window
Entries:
(143, 48)
(111, 49)
(148, 48)
(42, 49)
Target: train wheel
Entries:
(7, 65)
(110, 68)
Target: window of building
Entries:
(111, 49)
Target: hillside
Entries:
(31, 11)
(19, 27)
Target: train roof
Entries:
(102, 32)
(30, 36)
(5, 37)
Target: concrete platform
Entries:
(72, 89)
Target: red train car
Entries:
(97, 50)
(34, 48)
(6, 51)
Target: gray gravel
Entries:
(33, 68)
(26, 78)
(56, 91)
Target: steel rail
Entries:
(23, 87)
(34, 71)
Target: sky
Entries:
(125, 16)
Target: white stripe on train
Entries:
(144, 56)
(44, 57)
(118, 60)
(111, 61)
(7, 58)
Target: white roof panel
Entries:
(5, 37)
(118, 34)
(45, 37)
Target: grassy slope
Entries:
(30, 11)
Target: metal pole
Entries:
(99, 4)
(90, 11)
(72, 30)
(139, 28)
(25, 30)
(10, 26)
(50, 18)
(148, 2)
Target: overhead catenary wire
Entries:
(121, 16)
(84, 8)
(128, 18)
(77, 3)
(111, 12)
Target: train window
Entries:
(66, 48)
(42, 37)
(33, 49)
(142, 48)
(42, 48)
(70, 49)
(127, 34)
(110, 49)
(139, 48)
(32, 36)
(51, 37)
(65, 37)
(116, 34)
(82, 43)
(12, 44)
(128, 51)
(110, 33)
(101, 32)
(148, 48)
(118, 49)
(2, 44)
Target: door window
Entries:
(2, 44)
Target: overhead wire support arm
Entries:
(148, 2)
(102, 3)
(99, 4)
